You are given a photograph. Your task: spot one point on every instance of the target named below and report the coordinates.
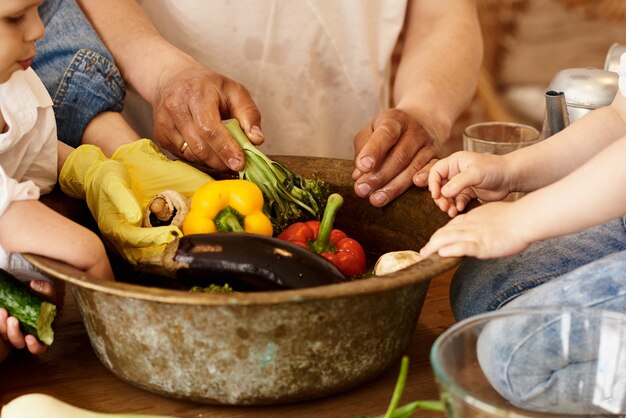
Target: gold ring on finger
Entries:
(183, 147)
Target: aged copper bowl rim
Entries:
(432, 266)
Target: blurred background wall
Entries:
(526, 43)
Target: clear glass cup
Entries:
(499, 138)
(544, 345)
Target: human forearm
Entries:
(140, 52)
(63, 150)
(109, 131)
(556, 157)
(588, 196)
(28, 226)
(441, 56)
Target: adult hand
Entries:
(488, 231)
(10, 333)
(463, 176)
(188, 108)
(390, 151)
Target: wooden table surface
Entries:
(70, 371)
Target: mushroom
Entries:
(396, 260)
(166, 208)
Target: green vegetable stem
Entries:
(288, 197)
(407, 410)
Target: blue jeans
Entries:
(485, 285)
(568, 361)
(586, 269)
(76, 68)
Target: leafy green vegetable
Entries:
(212, 288)
(407, 410)
(288, 197)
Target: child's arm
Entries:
(453, 181)
(550, 160)
(29, 226)
(590, 195)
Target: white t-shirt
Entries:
(28, 149)
(317, 69)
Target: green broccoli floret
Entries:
(288, 198)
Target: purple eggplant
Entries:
(251, 262)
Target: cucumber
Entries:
(34, 313)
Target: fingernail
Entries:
(364, 189)
(234, 163)
(356, 174)
(367, 162)
(380, 198)
(256, 131)
(420, 178)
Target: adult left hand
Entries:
(392, 152)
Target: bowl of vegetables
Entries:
(231, 346)
(523, 363)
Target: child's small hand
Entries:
(489, 231)
(456, 180)
(10, 333)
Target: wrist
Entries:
(436, 123)
(177, 62)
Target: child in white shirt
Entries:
(30, 156)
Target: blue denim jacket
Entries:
(76, 68)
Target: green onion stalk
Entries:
(288, 197)
(405, 411)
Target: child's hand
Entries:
(117, 190)
(489, 231)
(463, 176)
(151, 171)
(10, 333)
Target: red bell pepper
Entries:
(332, 244)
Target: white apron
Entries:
(317, 69)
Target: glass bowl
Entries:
(533, 363)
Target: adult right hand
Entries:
(189, 106)
(463, 176)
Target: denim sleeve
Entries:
(76, 68)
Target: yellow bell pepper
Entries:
(224, 205)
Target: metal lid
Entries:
(611, 63)
(589, 88)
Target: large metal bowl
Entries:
(269, 347)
